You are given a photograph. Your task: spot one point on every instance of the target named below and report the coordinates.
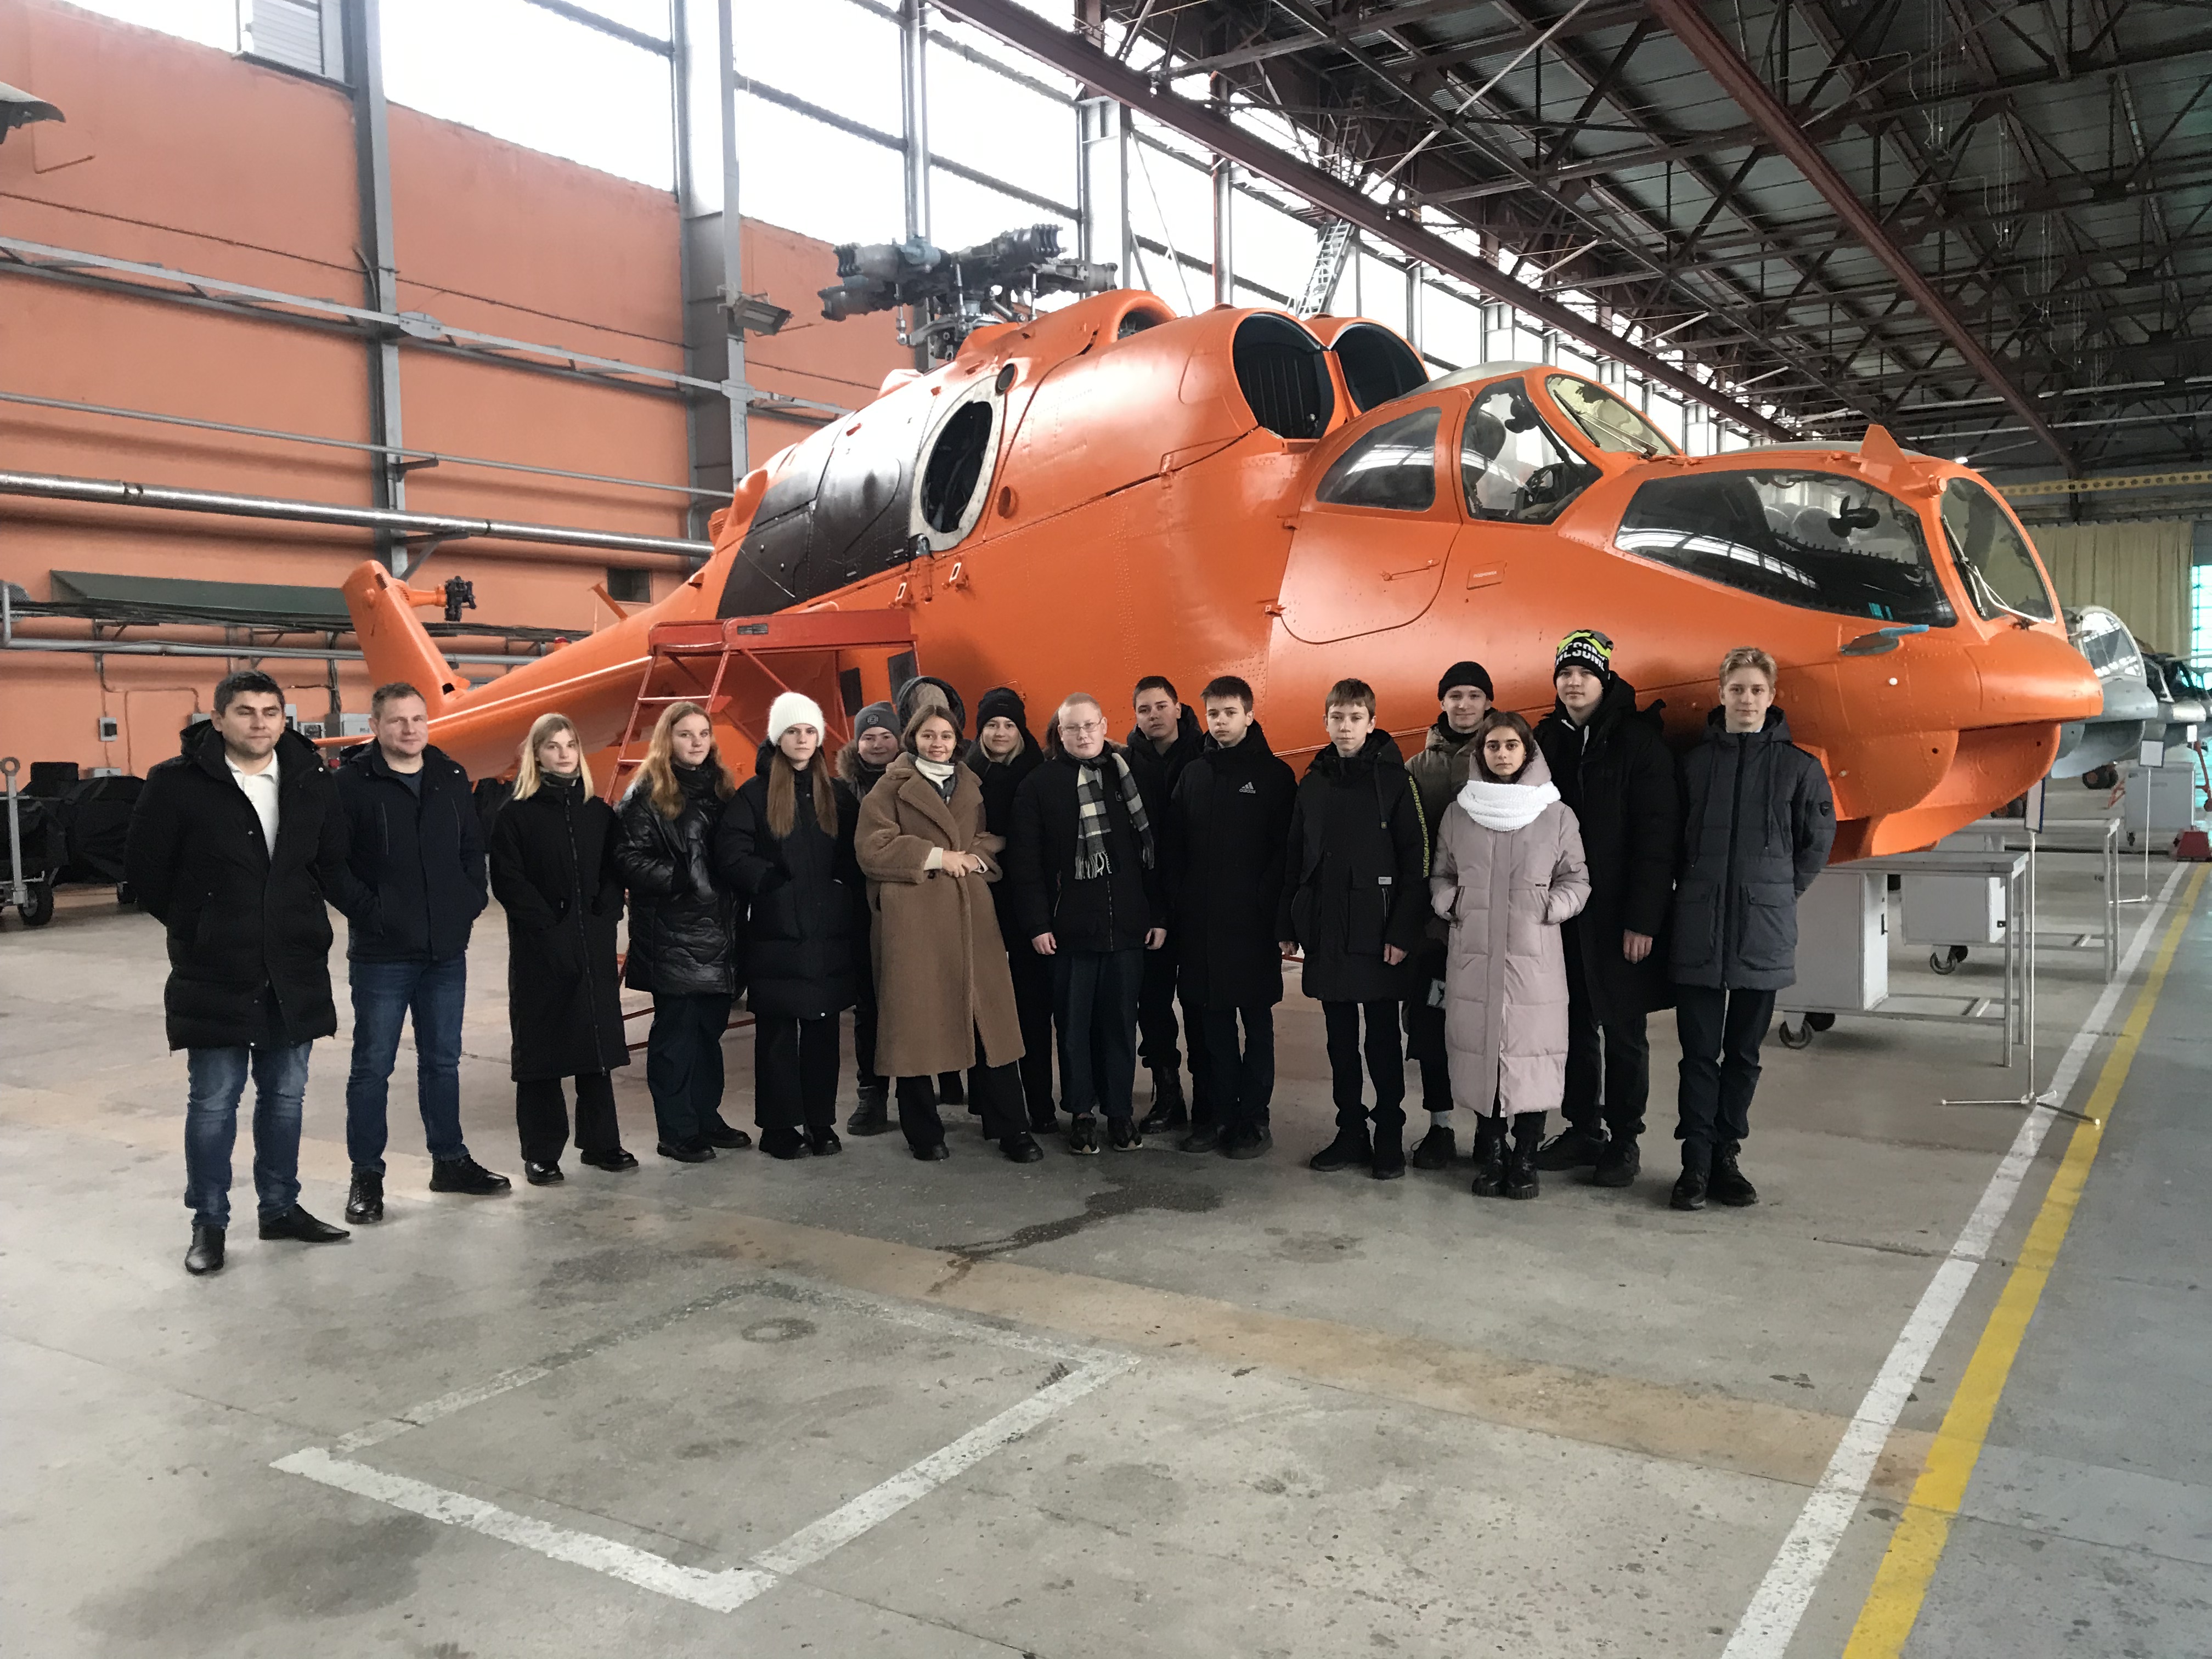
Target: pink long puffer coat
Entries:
(1505, 892)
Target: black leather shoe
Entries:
(783, 1143)
(1022, 1149)
(1388, 1161)
(1044, 1123)
(1619, 1163)
(686, 1152)
(296, 1223)
(614, 1162)
(1248, 1141)
(1727, 1183)
(872, 1115)
(1350, 1147)
(1205, 1138)
(1123, 1135)
(364, 1199)
(720, 1134)
(466, 1174)
(823, 1141)
(1689, 1191)
(936, 1151)
(1571, 1148)
(542, 1175)
(1083, 1136)
(1437, 1149)
(205, 1255)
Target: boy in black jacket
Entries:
(1086, 893)
(1165, 739)
(1356, 898)
(1228, 833)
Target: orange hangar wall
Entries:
(179, 156)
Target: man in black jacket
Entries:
(1005, 752)
(1758, 822)
(234, 847)
(417, 846)
(1165, 739)
(1356, 898)
(1086, 893)
(1613, 770)
(1227, 835)
(860, 766)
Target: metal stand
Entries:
(2035, 1097)
(19, 891)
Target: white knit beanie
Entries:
(793, 709)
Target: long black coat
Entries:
(419, 849)
(1619, 782)
(806, 928)
(1000, 780)
(1758, 822)
(1111, 912)
(240, 915)
(1226, 845)
(683, 926)
(1357, 875)
(553, 871)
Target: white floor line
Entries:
(1783, 1596)
(375, 1434)
(726, 1590)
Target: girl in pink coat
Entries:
(1508, 870)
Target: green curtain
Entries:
(2138, 570)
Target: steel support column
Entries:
(706, 199)
(1690, 26)
(372, 149)
(1223, 181)
(914, 101)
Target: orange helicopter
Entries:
(1108, 491)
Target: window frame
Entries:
(1970, 577)
(1569, 453)
(1438, 494)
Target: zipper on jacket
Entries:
(1728, 869)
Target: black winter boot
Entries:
(1438, 1148)
(1572, 1149)
(1521, 1164)
(1489, 1157)
(1618, 1163)
(1689, 1191)
(1350, 1147)
(1727, 1183)
(205, 1255)
(873, 1115)
(1169, 1109)
(1389, 1155)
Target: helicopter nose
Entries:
(2030, 677)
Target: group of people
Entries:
(1511, 903)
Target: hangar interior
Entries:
(511, 297)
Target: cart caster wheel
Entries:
(1796, 1036)
(39, 910)
(1947, 961)
(1820, 1022)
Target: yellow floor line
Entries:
(1900, 1584)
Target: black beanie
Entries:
(875, 715)
(1467, 673)
(1002, 699)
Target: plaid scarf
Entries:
(1091, 858)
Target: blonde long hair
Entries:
(783, 794)
(528, 778)
(656, 775)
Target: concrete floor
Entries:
(1091, 1408)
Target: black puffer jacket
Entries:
(683, 927)
(420, 850)
(1357, 875)
(553, 871)
(1617, 778)
(1756, 824)
(1158, 773)
(1224, 851)
(806, 926)
(239, 917)
(1000, 780)
(1110, 912)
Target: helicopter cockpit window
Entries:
(1815, 539)
(1394, 466)
(955, 465)
(1999, 571)
(1605, 421)
(2110, 649)
(1510, 465)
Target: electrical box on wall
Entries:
(353, 726)
(108, 729)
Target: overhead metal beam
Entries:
(1720, 60)
(1073, 56)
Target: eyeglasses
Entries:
(1089, 728)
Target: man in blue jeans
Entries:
(235, 844)
(418, 848)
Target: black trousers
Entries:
(1721, 1031)
(541, 1117)
(1094, 995)
(994, 1090)
(795, 1072)
(1616, 1055)
(1155, 1030)
(1385, 1064)
(684, 1064)
(865, 1074)
(1425, 1046)
(1243, 1083)
(1032, 976)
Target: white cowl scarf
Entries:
(1505, 806)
